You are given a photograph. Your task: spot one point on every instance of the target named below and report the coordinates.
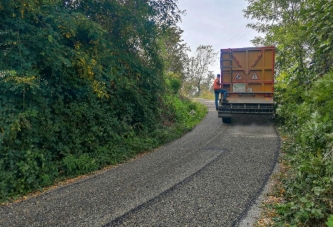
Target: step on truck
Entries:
(248, 76)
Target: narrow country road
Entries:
(209, 177)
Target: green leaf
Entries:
(304, 200)
(329, 222)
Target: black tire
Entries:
(226, 120)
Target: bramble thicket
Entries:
(86, 84)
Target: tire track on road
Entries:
(119, 220)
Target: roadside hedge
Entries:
(82, 87)
(305, 115)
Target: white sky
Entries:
(219, 23)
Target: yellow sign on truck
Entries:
(248, 76)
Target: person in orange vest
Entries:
(218, 90)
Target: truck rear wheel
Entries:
(226, 120)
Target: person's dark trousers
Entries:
(217, 92)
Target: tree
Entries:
(174, 55)
(281, 22)
(208, 81)
(78, 79)
(317, 17)
(302, 32)
(197, 69)
(173, 51)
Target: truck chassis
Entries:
(247, 103)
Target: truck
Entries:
(248, 76)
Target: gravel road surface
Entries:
(209, 177)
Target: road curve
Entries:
(209, 177)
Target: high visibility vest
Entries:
(216, 85)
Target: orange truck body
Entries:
(248, 76)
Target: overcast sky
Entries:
(219, 23)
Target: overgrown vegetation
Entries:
(82, 86)
(301, 31)
(307, 184)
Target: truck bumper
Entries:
(226, 110)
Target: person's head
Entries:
(218, 75)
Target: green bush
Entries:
(308, 125)
(78, 91)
